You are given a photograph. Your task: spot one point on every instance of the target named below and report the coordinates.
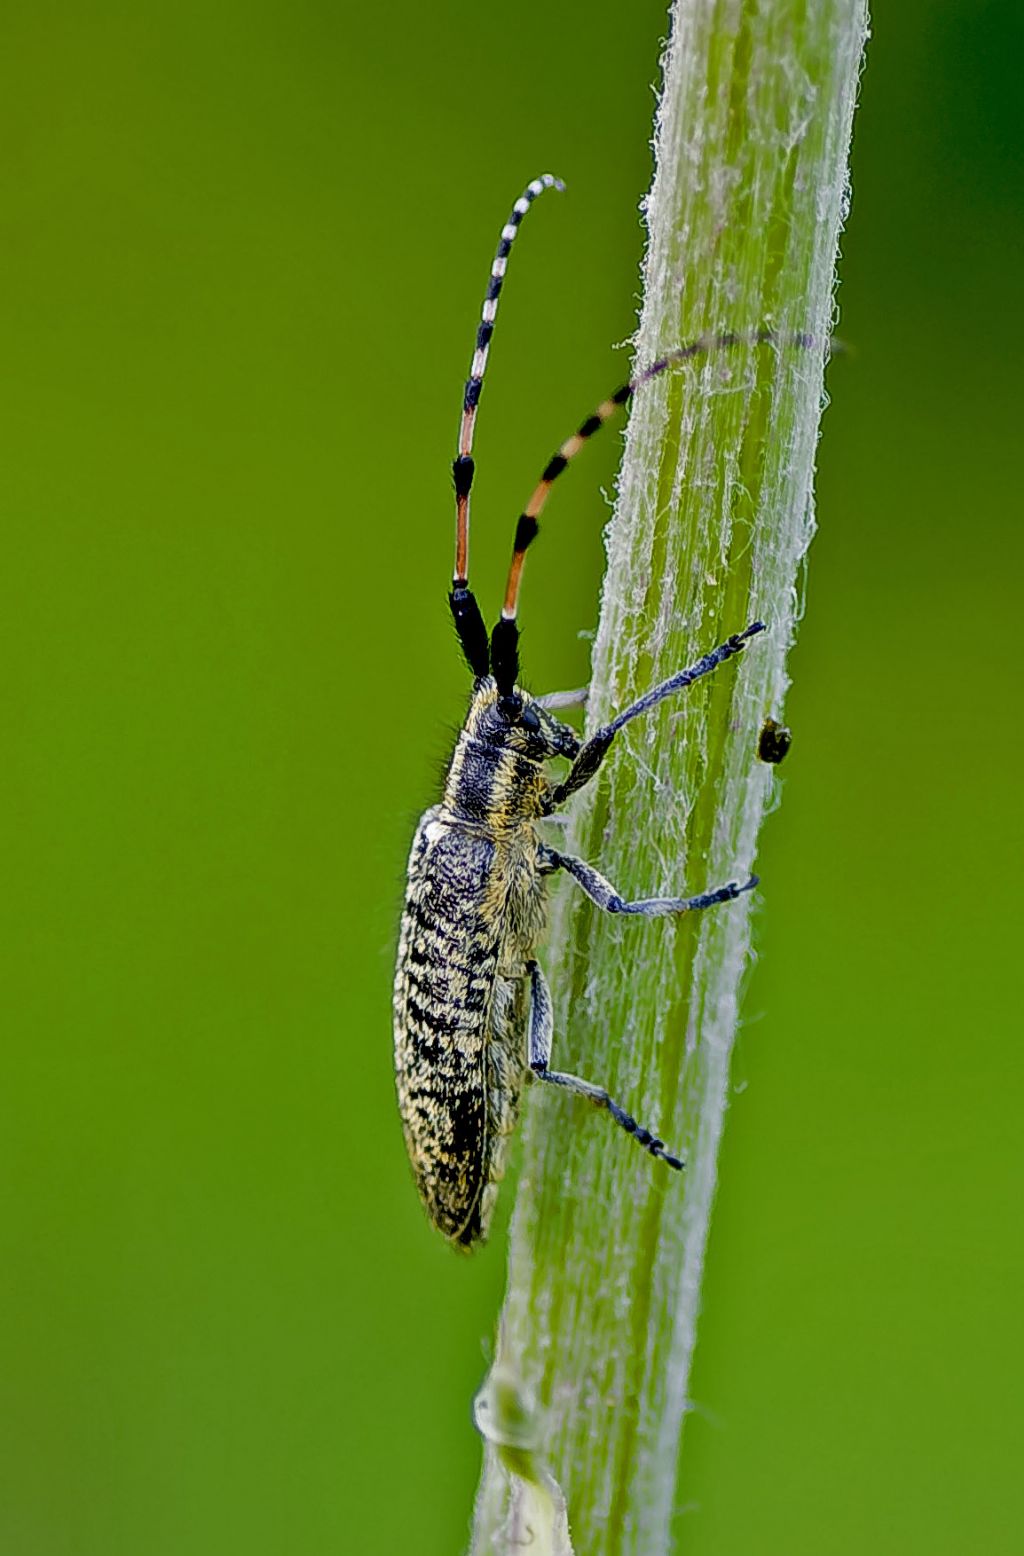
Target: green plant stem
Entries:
(714, 516)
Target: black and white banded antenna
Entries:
(469, 623)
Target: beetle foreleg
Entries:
(541, 1029)
(594, 751)
(604, 894)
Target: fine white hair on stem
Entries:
(713, 519)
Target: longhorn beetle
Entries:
(472, 1012)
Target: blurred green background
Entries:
(244, 248)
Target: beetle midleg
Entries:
(604, 894)
(541, 1029)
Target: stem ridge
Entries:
(714, 516)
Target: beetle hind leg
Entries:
(541, 1029)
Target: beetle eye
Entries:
(529, 719)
